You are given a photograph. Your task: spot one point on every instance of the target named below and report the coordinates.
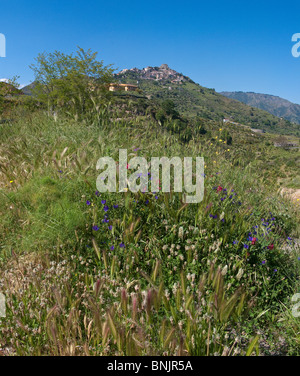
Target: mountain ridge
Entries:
(275, 105)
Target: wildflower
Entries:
(106, 208)
(110, 228)
(263, 262)
(180, 232)
(253, 241)
(103, 202)
(246, 246)
(116, 206)
(270, 247)
(112, 248)
(97, 193)
(235, 242)
(219, 189)
(122, 245)
(95, 228)
(88, 203)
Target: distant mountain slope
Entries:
(275, 105)
(27, 90)
(192, 100)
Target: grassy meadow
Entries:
(86, 273)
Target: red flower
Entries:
(219, 189)
(270, 247)
(253, 241)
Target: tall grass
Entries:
(166, 278)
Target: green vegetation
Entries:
(86, 273)
(194, 100)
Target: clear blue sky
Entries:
(226, 45)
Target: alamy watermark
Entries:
(183, 176)
(2, 45)
(296, 47)
(296, 307)
(2, 306)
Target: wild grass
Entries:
(147, 275)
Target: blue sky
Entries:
(226, 45)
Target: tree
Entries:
(73, 84)
(168, 107)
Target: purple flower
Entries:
(116, 206)
(235, 242)
(95, 228)
(103, 202)
(106, 208)
(122, 245)
(112, 248)
(246, 246)
(97, 193)
(88, 203)
(110, 228)
(263, 262)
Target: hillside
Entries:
(193, 100)
(275, 105)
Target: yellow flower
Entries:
(220, 129)
(11, 181)
(228, 149)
